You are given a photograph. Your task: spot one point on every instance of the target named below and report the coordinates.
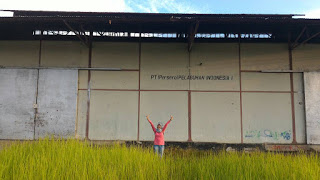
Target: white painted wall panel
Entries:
(265, 81)
(298, 82)
(306, 57)
(19, 53)
(114, 80)
(217, 60)
(312, 98)
(299, 105)
(115, 55)
(81, 114)
(300, 117)
(215, 117)
(160, 105)
(64, 54)
(267, 118)
(57, 103)
(17, 96)
(264, 56)
(164, 59)
(113, 115)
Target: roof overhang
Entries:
(23, 24)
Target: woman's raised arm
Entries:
(153, 128)
(165, 126)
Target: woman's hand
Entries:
(148, 117)
(171, 118)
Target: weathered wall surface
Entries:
(264, 56)
(164, 59)
(115, 55)
(57, 103)
(267, 117)
(273, 85)
(300, 117)
(160, 105)
(214, 61)
(115, 80)
(163, 85)
(17, 96)
(64, 54)
(82, 106)
(299, 105)
(312, 86)
(306, 57)
(113, 115)
(81, 114)
(216, 117)
(265, 81)
(83, 79)
(19, 53)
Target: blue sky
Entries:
(309, 7)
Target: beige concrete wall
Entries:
(267, 118)
(264, 56)
(115, 55)
(83, 79)
(306, 57)
(219, 59)
(19, 53)
(160, 105)
(64, 54)
(165, 59)
(114, 80)
(265, 81)
(81, 114)
(113, 115)
(215, 117)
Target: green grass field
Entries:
(73, 159)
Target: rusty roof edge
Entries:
(80, 13)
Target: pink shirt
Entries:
(159, 136)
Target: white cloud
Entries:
(67, 5)
(313, 14)
(6, 14)
(167, 6)
(149, 6)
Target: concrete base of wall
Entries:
(227, 147)
(286, 148)
(242, 147)
(315, 148)
(203, 146)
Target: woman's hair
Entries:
(159, 123)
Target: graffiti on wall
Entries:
(266, 133)
(191, 77)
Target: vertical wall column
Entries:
(189, 104)
(37, 89)
(240, 84)
(89, 86)
(294, 141)
(138, 135)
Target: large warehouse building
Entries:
(237, 79)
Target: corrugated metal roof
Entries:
(24, 22)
